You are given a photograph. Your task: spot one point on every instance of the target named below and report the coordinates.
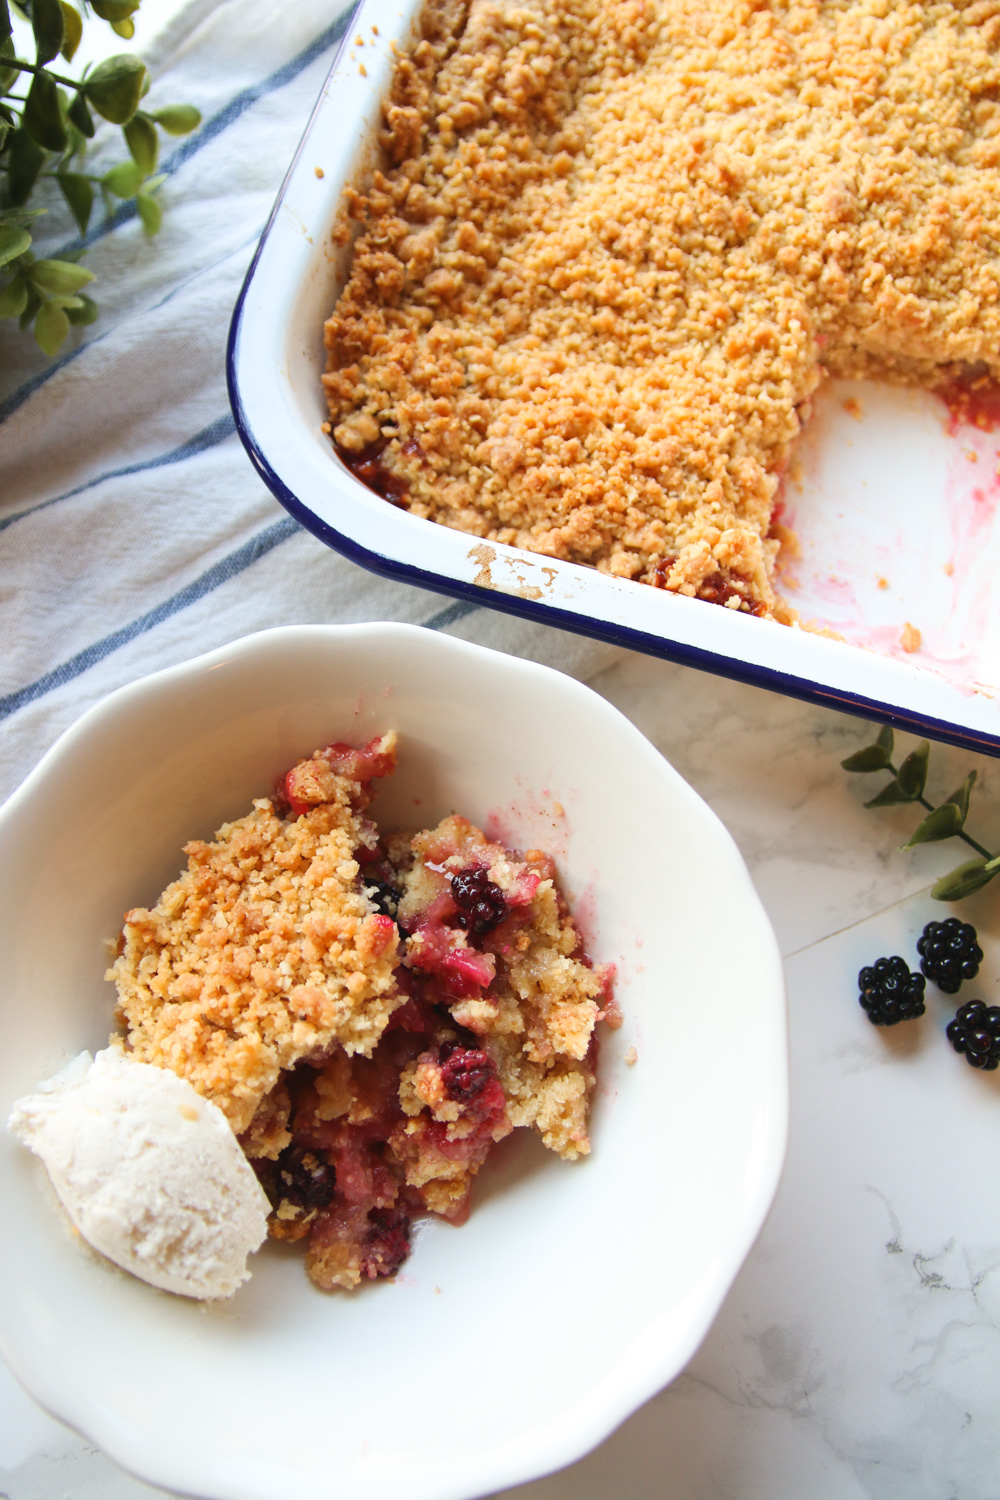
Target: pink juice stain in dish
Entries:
(972, 499)
(956, 622)
(534, 818)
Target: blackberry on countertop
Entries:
(975, 1032)
(890, 993)
(949, 953)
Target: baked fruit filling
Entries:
(372, 1013)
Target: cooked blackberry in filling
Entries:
(373, 1013)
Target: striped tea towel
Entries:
(133, 531)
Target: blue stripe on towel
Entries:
(18, 397)
(450, 616)
(221, 572)
(209, 437)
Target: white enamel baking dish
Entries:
(895, 507)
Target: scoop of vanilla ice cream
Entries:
(149, 1172)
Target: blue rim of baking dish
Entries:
(753, 674)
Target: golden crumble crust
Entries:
(263, 952)
(618, 242)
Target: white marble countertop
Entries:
(858, 1353)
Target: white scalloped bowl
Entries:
(503, 1349)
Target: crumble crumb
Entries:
(910, 639)
(613, 241)
(631, 1056)
(320, 173)
(883, 583)
(853, 408)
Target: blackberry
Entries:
(465, 1071)
(949, 953)
(384, 896)
(890, 993)
(386, 1243)
(305, 1180)
(481, 904)
(975, 1032)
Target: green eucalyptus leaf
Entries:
(124, 28)
(21, 216)
(68, 304)
(49, 28)
(114, 88)
(890, 796)
(5, 130)
(178, 119)
(72, 29)
(143, 142)
(31, 306)
(42, 117)
(871, 758)
(85, 313)
(51, 328)
(60, 278)
(79, 194)
(942, 823)
(81, 116)
(114, 10)
(960, 799)
(885, 739)
(25, 159)
(913, 772)
(7, 73)
(14, 297)
(150, 213)
(5, 22)
(964, 880)
(124, 180)
(77, 142)
(13, 242)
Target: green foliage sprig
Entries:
(44, 132)
(944, 821)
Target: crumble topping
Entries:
(372, 1015)
(265, 950)
(617, 244)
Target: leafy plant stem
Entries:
(972, 843)
(26, 67)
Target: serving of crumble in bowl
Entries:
(558, 311)
(581, 1281)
